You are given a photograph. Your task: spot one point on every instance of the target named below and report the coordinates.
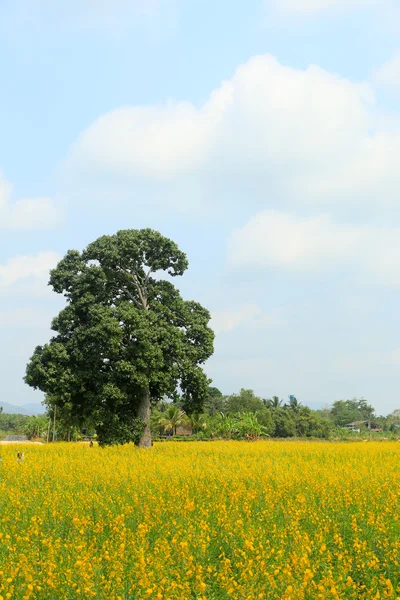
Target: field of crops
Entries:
(287, 520)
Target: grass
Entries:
(209, 521)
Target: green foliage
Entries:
(155, 427)
(226, 426)
(198, 422)
(244, 425)
(276, 419)
(35, 427)
(11, 423)
(63, 425)
(245, 401)
(392, 421)
(213, 405)
(294, 405)
(265, 419)
(274, 402)
(125, 338)
(214, 392)
(120, 432)
(249, 427)
(308, 424)
(345, 412)
(284, 424)
(171, 418)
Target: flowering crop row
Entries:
(209, 521)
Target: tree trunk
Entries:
(144, 415)
(54, 423)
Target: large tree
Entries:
(345, 412)
(125, 338)
(245, 401)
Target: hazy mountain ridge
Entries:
(33, 408)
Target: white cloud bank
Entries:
(389, 74)
(22, 268)
(274, 239)
(26, 213)
(270, 134)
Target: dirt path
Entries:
(24, 442)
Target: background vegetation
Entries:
(237, 416)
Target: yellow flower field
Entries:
(288, 520)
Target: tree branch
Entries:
(148, 275)
(141, 292)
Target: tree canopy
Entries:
(345, 412)
(125, 338)
(246, 400)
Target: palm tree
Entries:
(155, 421)
(274, 402)
(35, 426)
(293, 405)
(172, 418)
(197, 422)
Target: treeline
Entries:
(32, 427)
(235, 416)
(246, 416)
(12, 424)
(240, 416)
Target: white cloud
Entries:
(26, 213)
(389, 74)
(228, 320)
(273, 239)
(270, 134)
(155, 142)
(22, 268)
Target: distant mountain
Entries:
(34, 408)
(25, 409)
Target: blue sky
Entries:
(264, 137)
